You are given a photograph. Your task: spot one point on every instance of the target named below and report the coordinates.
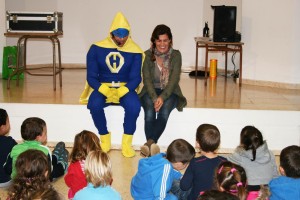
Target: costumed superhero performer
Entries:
(113, 74)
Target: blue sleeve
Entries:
(186, 181)
(92, 68)
(162, 184)
(135, 76)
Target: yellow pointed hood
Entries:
(130, 46)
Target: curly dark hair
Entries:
(32, 178)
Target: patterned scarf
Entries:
(164, 72)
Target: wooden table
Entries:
(226, 47)
(23, 38)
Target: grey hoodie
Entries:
(261, 170)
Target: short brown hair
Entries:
(208, 136)
(180, 151)
(32, 127)
(290, 162)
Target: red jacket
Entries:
(75, 179)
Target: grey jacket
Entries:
(261, 170)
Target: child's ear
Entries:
(38, 138)
(281, 170)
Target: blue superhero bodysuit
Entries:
(113, 74)
(114, 68)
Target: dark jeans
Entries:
(155, 123)
(180, 194)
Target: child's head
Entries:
(231, 178)
(290, 162)
(34, 128)
(97, 168)
(208, 137)
(84, 142)
(180, 153)
(251, 138)
(32, 164)
(32, 176)
(4, 122)
(217, 195)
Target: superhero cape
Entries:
(130, 46)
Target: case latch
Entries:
(49, 18)
(15, 18)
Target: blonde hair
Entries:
(98, 169)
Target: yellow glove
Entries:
(112, 96)
(122, 91)
(104, 89)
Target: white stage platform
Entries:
(279, 128)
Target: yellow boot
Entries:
(105, 142)
(127, 149)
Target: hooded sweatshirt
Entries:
(107, 62)
(262, 169)
(154, 179)
(285, 188)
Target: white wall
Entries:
(86, 22)
(270, 31)
(63, 127)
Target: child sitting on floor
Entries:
(98, 173)
(287, 186)
(255, 157)
(32, 178)
(6, 145)
(231, 178)
(84, 142)
(156, 174)
(34, 134)
(199, 175)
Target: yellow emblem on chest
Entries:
(112, 63)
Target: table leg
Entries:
(54, 63)
(241, 65)
(226, 58)
(59, 62)
(206, 62)
(196, 64)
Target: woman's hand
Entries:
(158, 104)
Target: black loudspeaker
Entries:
(224, 23)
